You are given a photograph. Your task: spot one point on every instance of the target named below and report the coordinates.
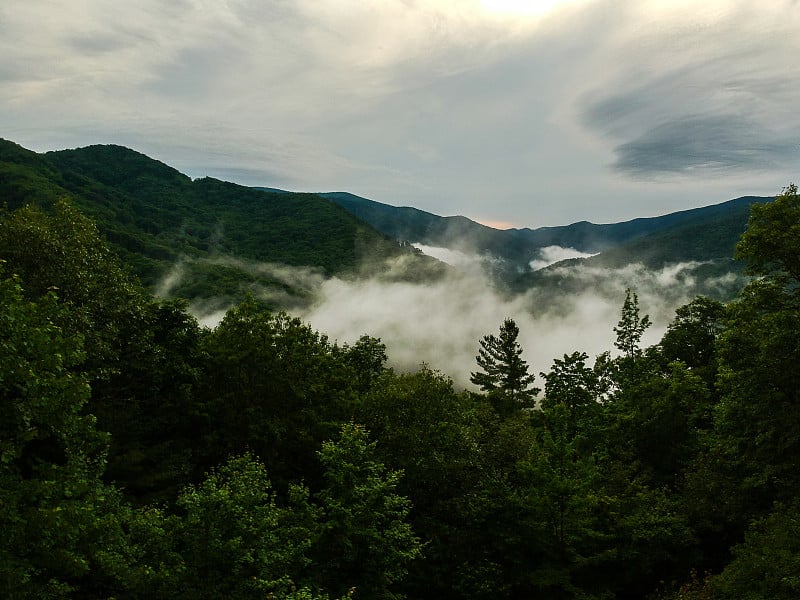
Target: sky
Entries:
(511, 113)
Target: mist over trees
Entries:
(144, 456)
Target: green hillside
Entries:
(219, 233)
(707, 237)
(212, 240)
(698, 234)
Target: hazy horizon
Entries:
(509, 112)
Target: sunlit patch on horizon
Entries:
(496, 224)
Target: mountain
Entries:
(700, 234)
(209, 239)
(212, 238)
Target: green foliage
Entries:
(692, 337)
(574, 385)
(430, 432)
(562, 507)
(60, 534)
(140, 355)
(63, 251)
(658, 423)
(757, 419)
(367, 359)
(632, 365)
(631, 326)
(503, 371)
(148, 407)
(769, 245)
(274, 386)
(457, 455)
(766, 566)
(366, 541)
(232, 538)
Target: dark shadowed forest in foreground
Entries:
(142, 456)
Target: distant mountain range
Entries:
(701, 234)
(208, 238)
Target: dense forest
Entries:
(219, 235)
(143, 456)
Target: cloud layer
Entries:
(441, 324)
(552, 254)
(469, 107)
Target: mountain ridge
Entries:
(583, 236)
(157, 217)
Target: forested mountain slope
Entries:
(210, 239)
(155, 217)
(655, 240)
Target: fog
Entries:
(552, 254)
(441, 324)
(573, 307)
(209, 311)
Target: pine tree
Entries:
(630, 328)
(504, 373)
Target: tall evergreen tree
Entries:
(504, 373)
(631, 326)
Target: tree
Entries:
(367, 358)
(63, 251)
(769, 245)
(628, 368)
(140, 354)
(630, 328)
(58, 519)
(571, 383)
(273, 386)
(366, 540)
(504, 373)
(757, 419)
(444, 441)
(766, 566)
(692, 337)
(560, 511)
(233, 540)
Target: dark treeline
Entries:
(142, 456)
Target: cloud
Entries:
(441, 324)
(272, 283)
(443, 105)
(701, 144)
(703, 100)
(463, 261)
(552, 254)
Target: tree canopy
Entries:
(145, 456)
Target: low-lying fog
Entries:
(441, 324)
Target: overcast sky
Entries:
(508, 112)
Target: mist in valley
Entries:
(440, 324)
